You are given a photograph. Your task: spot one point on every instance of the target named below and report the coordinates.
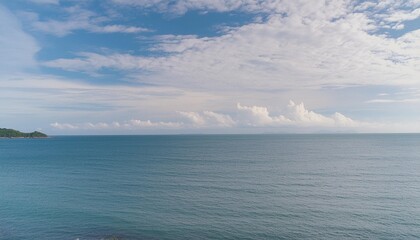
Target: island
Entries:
(11, 133)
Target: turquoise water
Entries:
(211, 187)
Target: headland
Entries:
(11, 133)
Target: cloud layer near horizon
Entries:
(295, 116)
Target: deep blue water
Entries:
(211, 187)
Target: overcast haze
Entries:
(209, 66)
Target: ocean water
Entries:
(211, 187)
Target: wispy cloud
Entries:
(17, 48)
(127, 125)
(179, 7)
(406, 100)
(54, 2)
(309, 45)
(409, 96)
(386, 14)
(78, 18)
(391, 14)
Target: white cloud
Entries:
(194, 117)
(260, 116)
(117, 28)
(405, 100)
(403, 15)
(46, 98)
(406, 96)
(79, 19)
(302, 44)
(296, 116)
(17, 49)
(179, 7)
(219, 119)
(127, 125)
(208, 118)
(63, 126)
(92, 62)
(54, 2)
(299, 113)
(390, 13)
(182, 6)
(148, 123)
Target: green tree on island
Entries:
(11, 133)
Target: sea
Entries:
(302, 186)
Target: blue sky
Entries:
(210, 66)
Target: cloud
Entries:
(300, 114)
(148, 123)
(308, 44)
(117, 28)
(405, 100)
(45, 98)
(246, 116)
(194, 117)
(296, 115)
(260, 116)
(208, 118)
(127, 125)
(63, 126)
(93, 62)
(79, 19)
(17, 49)
(391, 14)
(180, 7)
(54, 2)
(388, 14)
(407, 96)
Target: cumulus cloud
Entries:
(63, 126)
(296, 115)
(259, 116)
(299, 113)
(208, 118)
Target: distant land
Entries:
(11, 133)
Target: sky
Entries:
(70, 67)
